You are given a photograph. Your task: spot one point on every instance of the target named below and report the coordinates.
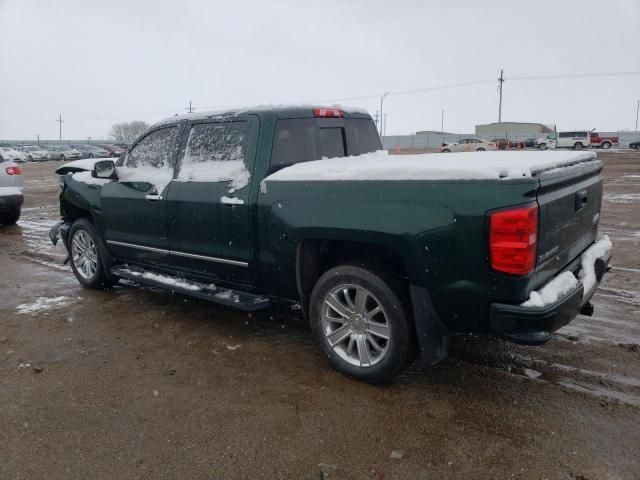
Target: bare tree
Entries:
(127, 132)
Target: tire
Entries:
(85, 243)
(91, 155)
(359, 349)
(578, 146)
(480, 150)
(446, 150)
(637, 147)
(10, 218)
(30, 158)
(606, 145)
(62, 158)
(542, 146)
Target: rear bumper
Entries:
(536, 325)
(10, 203)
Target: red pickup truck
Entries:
(596, 141)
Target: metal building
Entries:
(513, 130)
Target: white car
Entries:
(576, 140)
(33, 152)
(8, 153)
(472, 144)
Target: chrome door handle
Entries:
(153, 198)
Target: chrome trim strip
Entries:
(226, 261)
(210, 259)
(139, 247)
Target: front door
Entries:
(134, 207)
(208, 207)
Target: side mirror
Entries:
(104, 169)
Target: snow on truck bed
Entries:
(496, 165)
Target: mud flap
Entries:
(433, 338)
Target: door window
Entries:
(215, 152)
(149, 161)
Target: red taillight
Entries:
(13, 171)
(513, 240)
(328, 113)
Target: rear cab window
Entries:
(299, 140)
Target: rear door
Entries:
(134, 208)
(208, 203)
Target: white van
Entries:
(576, 140)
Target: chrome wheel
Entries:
(84, 254)
(355, 325)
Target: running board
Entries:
(232, 298)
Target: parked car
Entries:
(531, 143)
(635, 145)
(34, 153)
(113, 150)
(576, 140)
(63, 152)
(11, 197)
(91, 151)
(473, 144)
(597, 141)
(380, 252)
(8, 153)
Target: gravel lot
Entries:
(142, 383)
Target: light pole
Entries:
(381, 101)
(637, 111)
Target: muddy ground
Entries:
(141, 383)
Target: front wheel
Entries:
(480, 149)
(86, 257)
(62, 158)
(542, 146)
(446, 150)
(358, 318)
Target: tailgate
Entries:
(569, 202)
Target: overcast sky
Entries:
(100, 62)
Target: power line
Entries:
(578, 75)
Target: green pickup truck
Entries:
(387, 255)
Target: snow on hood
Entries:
(380, 165)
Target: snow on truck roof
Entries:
(259, 109)
(436, 166)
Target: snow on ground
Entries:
(42, 304)
(621, 197)
(440, 166)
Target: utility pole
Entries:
(637, 111)
(375, 118)
(442, 121)
(38, 136)
(59, 120)
(384, 130)
(190, 107)
(381, 101)
(500, 82)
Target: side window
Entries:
(154, 150)
(565, 134)
(215, 152)
(463, 141)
